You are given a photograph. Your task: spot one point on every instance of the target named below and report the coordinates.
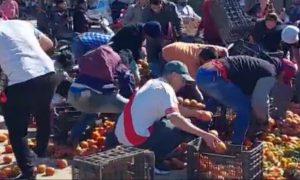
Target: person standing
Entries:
(42, 20)
(31, 85)
(166, 13)
(208, 25)
(190, 19)
(10, 9)
(134, 12)
(60, 21)
(81, 22)
(261, 9)
(294, 11)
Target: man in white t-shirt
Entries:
(140, 123)
(31, 85)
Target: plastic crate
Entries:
(3, 81)
(231, 20)
(118, 163)
(63, 119)
(236, 164)
(241, 47)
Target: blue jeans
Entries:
(227, 93)
(187, 38)
(77, 48)
(91, 106)
(156, 68)
(164, 138)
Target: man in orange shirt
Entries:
(192, 54)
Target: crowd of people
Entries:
(109, 81)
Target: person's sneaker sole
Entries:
(161, 172)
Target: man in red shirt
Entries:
(210, 31)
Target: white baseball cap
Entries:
(290, 34)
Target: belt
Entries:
(219, 66)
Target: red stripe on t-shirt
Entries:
(130, 133)
(171, 110)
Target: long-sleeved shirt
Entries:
(294, 13)
(60, 23)
(188, 53)
(133, 14)
(269, 39)
(129, 37)
(80, 22)
(168, 13)
(210, 30)
(188, 12)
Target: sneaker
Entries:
(25, 177)
(161, 169)
(73, 142)
(36, 160)
(32, 154)
(40, 155)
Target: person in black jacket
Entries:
(267, 33)
(244, 83)
(166, 13)
(60, 21)
(81, 22)
(133, 36)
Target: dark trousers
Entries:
(32, 97)
(164, 138)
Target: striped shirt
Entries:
(92, 40)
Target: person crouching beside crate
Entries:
(101, 87)
(243, 83)
(153, 120)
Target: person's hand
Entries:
(283, 14)
(211, 140)
(271, 123)
(203, 115)
(251, 40)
